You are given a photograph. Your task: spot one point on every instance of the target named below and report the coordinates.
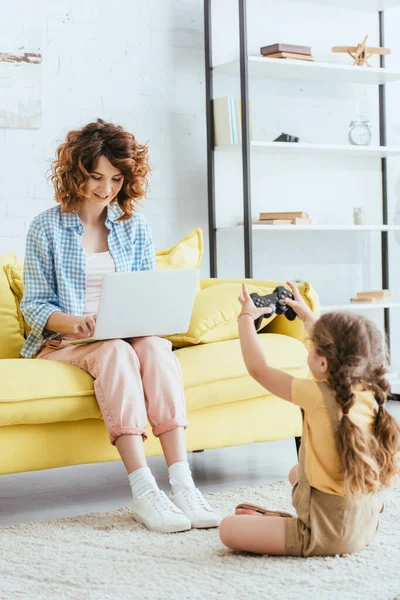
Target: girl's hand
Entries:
(84, 326)
(299, 306)
(248, 306)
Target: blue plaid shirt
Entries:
(55, 265)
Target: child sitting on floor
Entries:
(350, 445)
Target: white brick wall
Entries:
(136, 63)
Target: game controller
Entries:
(276, 302)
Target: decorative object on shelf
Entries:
(374, 296)
(358, 216)
(361, 53)
(286, 137)
(228, 121)
(360, 131)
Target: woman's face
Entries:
(105, 181)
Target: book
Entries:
(371, 299)
(238, 109)
(376, 294)
(274, 222)
(234, 122)
(363, 299)
(239, 120)
(283, 222)
(290, 55)
(284, 215)
(301, 221)
(223, 135)
(228, 121)
(279, 222)
(273, 48)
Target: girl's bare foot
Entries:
(246, 511)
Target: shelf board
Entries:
(336, 227)
(310, 71)
(321, 149)
(360, 306)
(365, 5)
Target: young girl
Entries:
(99, 176)
(350, 445)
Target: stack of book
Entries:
(377, 296)
(284, 218)
(228, 121)
(287, 51)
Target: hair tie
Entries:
(345, 414)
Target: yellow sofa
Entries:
(49, 416)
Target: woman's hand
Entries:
(248, 306)
(84, 326)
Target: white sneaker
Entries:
(156, 512)
(193, 504)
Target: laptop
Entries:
(143, 303)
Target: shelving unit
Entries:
(260, 67)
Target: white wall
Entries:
(136, 63)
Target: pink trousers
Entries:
(135, 380)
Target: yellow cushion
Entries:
(214, 316)
(36, 447)
(11, 326)
(41, 391)
(14, 274)
(280, 324)
(37, 391)
(215, 374)
(186, 254)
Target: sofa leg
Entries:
(298, 442)
(197, 451)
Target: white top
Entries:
(97, 264)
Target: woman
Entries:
(99, 176)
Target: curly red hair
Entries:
(77, 156)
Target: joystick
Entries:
(276, 302)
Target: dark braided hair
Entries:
(354, 349)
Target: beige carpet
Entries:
(109, 557)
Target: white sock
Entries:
(180, 476)
(142, 481)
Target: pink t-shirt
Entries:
(97, 264)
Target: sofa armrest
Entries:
(280, 324)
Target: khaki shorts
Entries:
(336, 525)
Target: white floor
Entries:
(72, 491)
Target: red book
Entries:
(274, 48)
